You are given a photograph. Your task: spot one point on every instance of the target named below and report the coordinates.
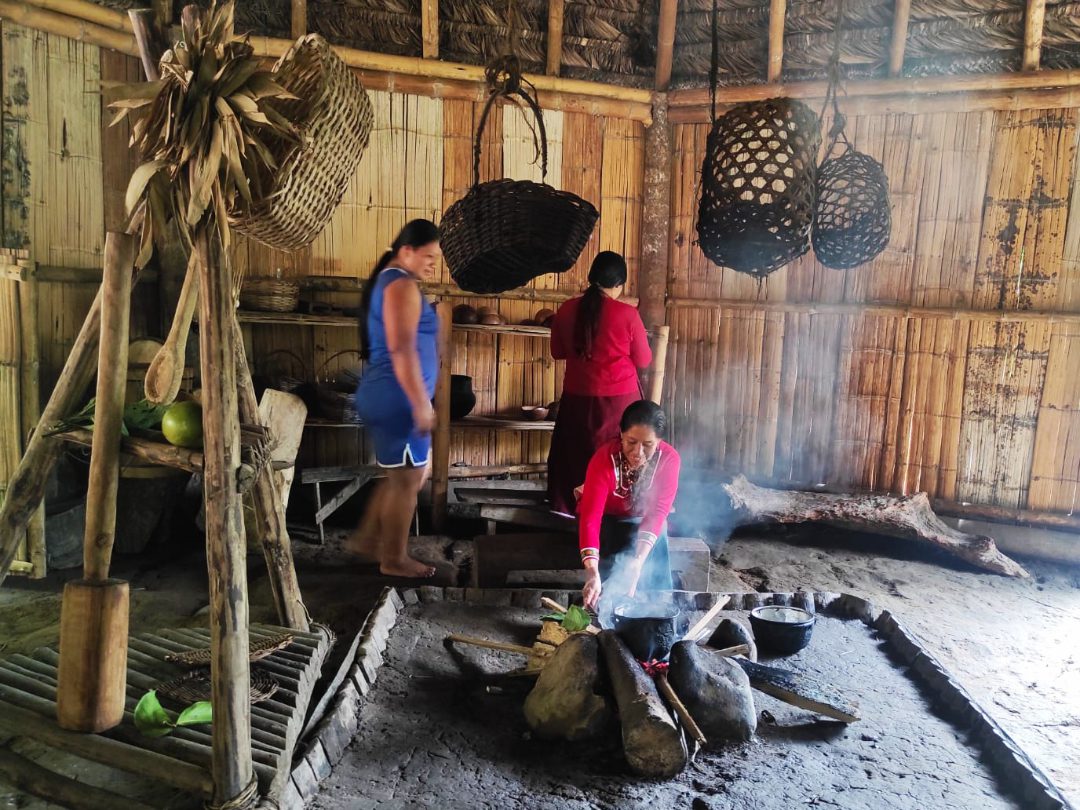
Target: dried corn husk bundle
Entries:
(203, 132)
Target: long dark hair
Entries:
(608, 270)
(415, 234)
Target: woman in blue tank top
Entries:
(398, 332)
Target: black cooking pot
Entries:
(649, 631)
(462, 398)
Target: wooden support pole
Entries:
(298, 25)
(163, 17)
(30, 410)
(225, 546)
(777, 15)
(659, 365)
(270, 525)
(429, 28)
(556, 8)
(147, 40)
(1034, 17)
(901, 15)
(440, 440)
(656, 217)
(665, 43)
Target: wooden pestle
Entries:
(92, 673)
(166, 371)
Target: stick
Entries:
(592, 629)
(729, 652)
(491, 645)
(679, 708)
(699, 627)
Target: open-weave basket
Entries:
(757, 186)
(337, 391)
(269, 295)
(853, 215)
(257, 649)
(334, 117)
(504, 233)
(194, 686)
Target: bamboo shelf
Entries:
(504, 329)
(495, 423)
(295, 318)
(166, 455)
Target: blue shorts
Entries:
(387, 416)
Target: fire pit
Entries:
(443, 726)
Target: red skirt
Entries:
(582, 425)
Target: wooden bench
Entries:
(356, 477)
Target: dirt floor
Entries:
(1014, 645)
(434, 733)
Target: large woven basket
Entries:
(853, 216)
(757, 186)
(504, 233)
(336, 390)
(269, 295)
(334, 117)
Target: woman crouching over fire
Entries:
(629, 488)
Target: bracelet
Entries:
(590, 553)
(647, 537)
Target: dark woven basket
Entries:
(258, 648)
(194, 686)
(504, 233)
(757, 186)
(853, 216)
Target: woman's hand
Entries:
(591, 592)
(423, 417)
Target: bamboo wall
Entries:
(800, 379)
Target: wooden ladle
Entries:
(166, 371)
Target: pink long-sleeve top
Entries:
(599, 496)
(619, 349)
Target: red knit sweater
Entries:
(619, 349)
(598, 496)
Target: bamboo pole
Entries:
(163, 16)
(429, 28)
(1034, 17)
(298, 19)
(655, 217)
(30, 410)
(665, 43)
(225, 546)
(143, 24)
(777, 15)
(656, 377)
(26, 775)
(440, 439)
(901, 15)
(270, 525)
(554, 36)
(79, 28)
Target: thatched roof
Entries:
(614, 40)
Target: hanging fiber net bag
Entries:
(757, 186)
(853, 216)
(504, 233)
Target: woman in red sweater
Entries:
(629, 488)
(604, 344)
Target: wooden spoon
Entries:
(166, 371)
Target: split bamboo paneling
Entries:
(967, 408)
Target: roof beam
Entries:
(554, 36)
(1034, 16)
(298, 19)
(901, 15)
(429, 27)
(665, 42)
(163, 15)
(777, 15)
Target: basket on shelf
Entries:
(337, 392)
(757, 186)
(333, 116)
(258, 648)
(269, 294)
(504, 233)
(194, 686)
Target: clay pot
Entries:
(463, 313)
(537, 413)
(543, 314)
(547, 322)
(491, 319)
(528, 322)
(553, 410)
(462, 398)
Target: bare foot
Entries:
(363, 548)
(413, 569)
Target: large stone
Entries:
(715, 690)
(730, 633)
(564, 704)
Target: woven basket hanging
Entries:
(504, 233)
(757, 181)
(333, 115)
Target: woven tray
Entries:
(259, 649)
(194, 686)
(269, 295)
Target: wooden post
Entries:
(440, 440)
(656, 219)
(269, 511)
(298, 19)
(30, 410)
(659, 364)
(92, 675)
(665, 43)
(1034, 17)
(429, 28)
(901, 15)
(163, 17)
(556, 9)
(150, 50)
(225, 546)
(777, 13)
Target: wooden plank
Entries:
(777, 16)
(298, 22)
(665, 42)
(1034, 17)
(554, 36)
(30, 777)
(440, 440)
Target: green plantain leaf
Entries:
(575, 619)
(197, 714)
(150, 718)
